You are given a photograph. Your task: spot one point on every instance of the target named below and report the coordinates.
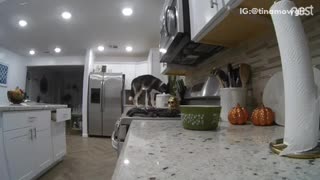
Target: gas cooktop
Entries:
(153, 112)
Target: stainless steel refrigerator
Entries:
(106, 100)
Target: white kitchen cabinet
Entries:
(28, 144)
(20, 153)
(43, 150)
(3, 163)
(155, 65)
(58, 132)
(202, 14)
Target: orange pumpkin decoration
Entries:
(262, 116)
(238, 115)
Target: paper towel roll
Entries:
(301, 105)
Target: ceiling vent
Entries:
(113, 46)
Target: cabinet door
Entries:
(43, 149)
(201, 13)
(20, 153)
(58, 131)
(3, 163)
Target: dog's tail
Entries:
(131, 94)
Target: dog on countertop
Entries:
(148, 83)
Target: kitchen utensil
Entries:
(236, 77)
(230, 75)
(230, 97)
(221, 76)
(200, 117)
(211, 87)
(244, 72)
(273, 94)
(162, 100)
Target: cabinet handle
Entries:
(31, 133)
(31, 119)
(213, 3)
(35, 132)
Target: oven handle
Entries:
(114, 142)
(169, 8)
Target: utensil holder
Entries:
(229, 98)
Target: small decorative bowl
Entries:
(200, 117)
(14, 97)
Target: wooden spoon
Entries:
(244, 74)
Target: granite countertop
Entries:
(164, 150)
(30, 107)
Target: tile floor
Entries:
(87, 159)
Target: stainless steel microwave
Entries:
(176, 46)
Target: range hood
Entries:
(187, 52)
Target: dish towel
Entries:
(301, 102)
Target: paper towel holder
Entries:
(278, 146)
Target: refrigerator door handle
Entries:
(102, 95)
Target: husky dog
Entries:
(148, 83)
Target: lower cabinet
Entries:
(3, 163)
(28, 147)
(31, 143)
(19, 147)
(43, 150)
(58, 131)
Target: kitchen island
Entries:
(30, 106)
(164, 150)
(32, 139)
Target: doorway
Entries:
(58, 85)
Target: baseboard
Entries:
(48, 168)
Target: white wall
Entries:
(57, 61)
(17, 72)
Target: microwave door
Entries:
(95, 103)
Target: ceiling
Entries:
(93, 22)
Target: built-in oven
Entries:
(175, 40)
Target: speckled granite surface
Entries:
(164, 150)
(26, 107)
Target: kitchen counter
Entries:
(164, 150)
(29, 107)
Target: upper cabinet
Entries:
(220, 22)
(203, 13)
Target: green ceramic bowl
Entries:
(200, 117)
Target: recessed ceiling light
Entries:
(32, 52)
(127, 11)
(57, 50)
(23, 23)
(100, 48)
(162, 50)
(66, 15)
(128, 48)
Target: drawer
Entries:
(42, 119)
(23, 119)
(61, 115)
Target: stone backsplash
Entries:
(262, 54)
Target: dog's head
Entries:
(164, 88)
